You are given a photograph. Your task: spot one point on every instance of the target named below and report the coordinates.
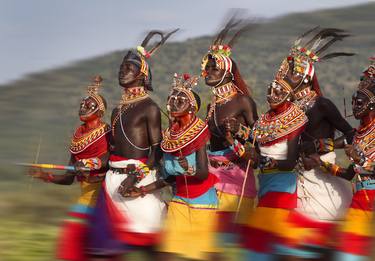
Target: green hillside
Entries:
(45, 105)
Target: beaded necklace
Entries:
(130, 97)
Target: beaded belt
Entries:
(120, 170)
(366, 184)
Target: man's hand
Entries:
(251, 154)
(311, 162)
(38, 173)
(132, 192)
(80, 167)
(355, 154)
(126, 184)
(183, 163)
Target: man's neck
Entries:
(134, 89)
(182, 122)
(92, 124)
(368, 119)
(281, 108)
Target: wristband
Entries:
(243, 132)
(238, 148)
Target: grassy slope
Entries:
(46, 104)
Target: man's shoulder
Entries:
(149, 104)
(324, 102)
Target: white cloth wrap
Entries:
(143, 214)
(322, 196)
(277, 151)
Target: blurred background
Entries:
(50, 50)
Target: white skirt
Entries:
(142, 214)
(322, 196)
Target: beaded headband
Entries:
(185, 83)
(93, 92)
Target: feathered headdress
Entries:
(221, 52)
(368, 80)
(305, 52)
(139, 58)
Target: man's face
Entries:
(276, 94)
(178, 104)
(214, 74)
(88, 109)
(128, 73)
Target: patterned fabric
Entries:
(270, 229)
(191, 219)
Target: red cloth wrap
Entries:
(95, 150)
(72, 242)
(190, 186)
(194, 187)
(200, 141)
(274, 199)
(115, 158)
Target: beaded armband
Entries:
(92, 163)
(369, 166)
(140, 172)
(238, 148)
(49, 178)
(331, 168)
(323, 146)
(243, 132)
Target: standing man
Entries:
(355, 235)
(89, 149)
(135, 142)
(322, 199)
(232, 112)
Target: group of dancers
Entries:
(298, 204)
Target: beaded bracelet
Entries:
(238, 148)
(243, 132)
(50, 178)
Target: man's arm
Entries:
(249, 110)
(111, 138)
(332, 114)
(202, 164)
(154, 135)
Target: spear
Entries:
(52, 166)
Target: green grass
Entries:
(26, 241)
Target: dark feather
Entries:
(333, 55)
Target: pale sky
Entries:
(41, 34)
